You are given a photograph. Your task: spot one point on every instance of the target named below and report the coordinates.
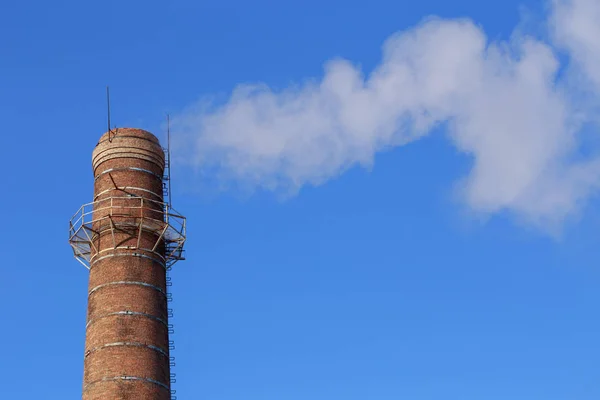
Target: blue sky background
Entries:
(372, 286)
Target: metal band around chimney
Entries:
(128, 313)
(143, 284)
(136, 148)
(125, 188)
(108, 252)
(130, 344)
(133, 254)
(135, 169)
(126, 378)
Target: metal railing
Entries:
(117, 212)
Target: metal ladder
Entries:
(169, 247)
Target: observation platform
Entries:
(123, 220)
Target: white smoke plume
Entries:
(504, 103)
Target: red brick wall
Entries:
(127, 342)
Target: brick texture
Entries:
(127, 337)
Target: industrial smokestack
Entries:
(128, 237)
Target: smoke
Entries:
(508, 105)
(575, 27)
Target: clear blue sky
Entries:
(375, 285)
